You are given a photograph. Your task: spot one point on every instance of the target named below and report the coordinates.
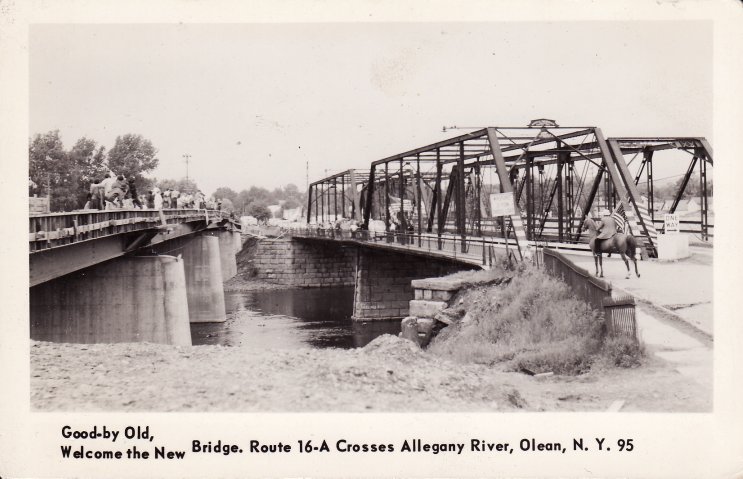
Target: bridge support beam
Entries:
(132, 299)
(204, 278)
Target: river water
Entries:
(291, 318)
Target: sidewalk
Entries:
(687, 354)
(674, 309)
(683, 288)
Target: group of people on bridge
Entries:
(116, 192)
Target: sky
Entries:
(259, 104)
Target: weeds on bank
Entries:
(534, 323)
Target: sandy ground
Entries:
(392, 374)
(389, 374)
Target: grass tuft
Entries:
(622, 352)
(533, 323)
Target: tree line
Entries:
(66, 174)
(255, 200)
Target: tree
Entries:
(46, 156)
(132, 156)
(291, 191)
(88, 166)
(49, 164)
(183, 185)
(290, 204)
(693, 188)
(243, 200)
(259, 211)
(226, 193)
(228, 206)
(260, 194)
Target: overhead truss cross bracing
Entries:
(555, 175)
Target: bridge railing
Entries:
(476, 250)
(589, 288)
(58, 229)
(619, 312)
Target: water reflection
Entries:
(291, 318)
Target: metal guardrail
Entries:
(619, 312)
(58, 229)
(473, 250)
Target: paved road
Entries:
(684, 287)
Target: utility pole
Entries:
(186, 156)
(307, 176)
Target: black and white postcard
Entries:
(371, 239)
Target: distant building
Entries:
(274, 209)
(293, 214)
(692, 205)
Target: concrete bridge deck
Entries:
(61, 243)
(129, 275)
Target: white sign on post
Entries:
(501, 204)
(671, 223)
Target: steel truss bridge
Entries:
(558, 177)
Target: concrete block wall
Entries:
(301, 263)
(383, 282)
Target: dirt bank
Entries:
(241, 283)
(390, 374)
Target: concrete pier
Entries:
(134, 299)
(238, 241)
(227, 254)
(203, 269)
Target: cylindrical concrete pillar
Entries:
(204, 279)
(238, 241)
(133, 299)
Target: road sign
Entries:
(671, 223)
(501, 204)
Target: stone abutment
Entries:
(382, 278)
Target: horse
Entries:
(624, 244)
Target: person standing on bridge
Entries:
(133, 194)
(97, 195)
(200, 203)
(108, 183)
(174, 194)
(157, 200)
(118, 190)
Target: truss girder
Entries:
(443, 167)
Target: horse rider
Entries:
(607, 228)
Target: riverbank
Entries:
(241, 283)
(388, 375)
